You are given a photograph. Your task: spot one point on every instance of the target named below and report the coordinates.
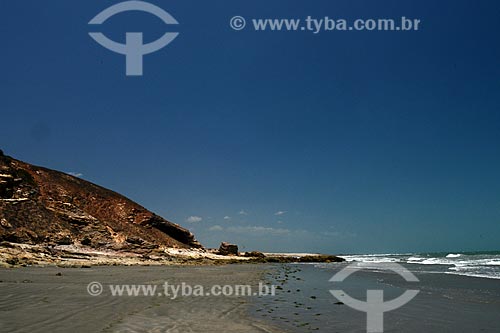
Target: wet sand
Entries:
(37, 299)
(446, 303)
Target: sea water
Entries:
(473, 264)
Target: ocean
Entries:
(473, 264)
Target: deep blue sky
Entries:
(367, 141)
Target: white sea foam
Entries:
(434, 261)
(475, 265)
(477, 275)
(415, 259)
(371, 258)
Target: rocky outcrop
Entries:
(305, 258)
(254, 254)
(43, 206)
(227, 249)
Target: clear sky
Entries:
(279, 141)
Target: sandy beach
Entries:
(57, 299)
(54, 299)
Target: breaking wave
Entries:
(474, 264)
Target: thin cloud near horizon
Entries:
(75, 174)
(194, 219)
(251, 229)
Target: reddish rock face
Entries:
(38, 205)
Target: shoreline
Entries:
(445, 303)
(56, 299)
(22, 255)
